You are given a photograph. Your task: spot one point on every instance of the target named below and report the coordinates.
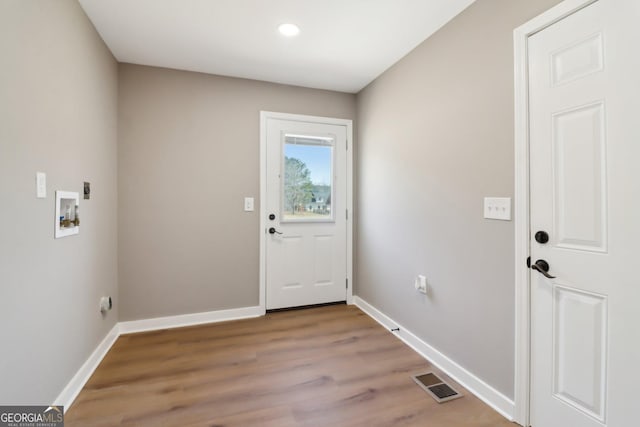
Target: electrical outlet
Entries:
(105, 304)
(421, 284)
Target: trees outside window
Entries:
(298, 188)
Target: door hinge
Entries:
(347, 283)
(346, 214)
(346, 144)
(528, 262)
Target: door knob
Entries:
(542, 237)
(274, 231)
(542, 266)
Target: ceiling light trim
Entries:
(288, 29)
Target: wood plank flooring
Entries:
(327, 366)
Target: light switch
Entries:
(248, 204)
(497, 208)
(41, 185)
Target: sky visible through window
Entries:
(316, 157)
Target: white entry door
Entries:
(306, 209)
(584, 88)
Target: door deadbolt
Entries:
(542, 237)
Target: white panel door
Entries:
(306, 240)
(584, 92)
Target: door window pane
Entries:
(307, 184)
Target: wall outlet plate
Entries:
(105, 304)
(421, 284)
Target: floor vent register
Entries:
(438, 389)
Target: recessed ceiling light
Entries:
(288, 30)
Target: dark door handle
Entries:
(542, 266)
(274, 231)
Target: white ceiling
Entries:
(343, 44)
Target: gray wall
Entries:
(188, 155)
(58, 101)
(435, 137)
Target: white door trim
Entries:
(521, 210)
(264, 116)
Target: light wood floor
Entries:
(329, 366)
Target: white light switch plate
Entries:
(41, 185)
(248, 204)
(497, 208)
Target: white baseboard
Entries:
(73, 388)
(475, 385)
(189, 319)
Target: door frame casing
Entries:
(264, 116)
(522, 377)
